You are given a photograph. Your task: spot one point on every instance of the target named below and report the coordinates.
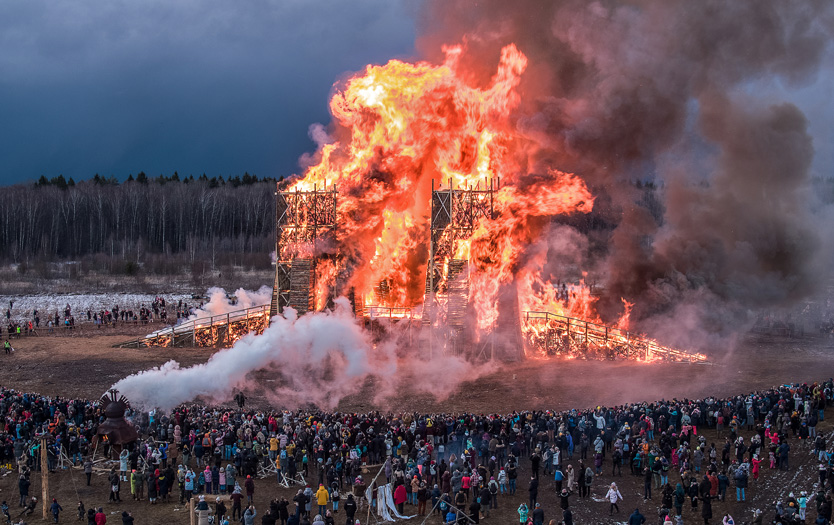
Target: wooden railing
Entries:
(550, 334)
(210, 331)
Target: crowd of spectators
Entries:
(458, 467)
(157, 311)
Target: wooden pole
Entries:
(371, 485)
(44, 479)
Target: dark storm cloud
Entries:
(194, 86)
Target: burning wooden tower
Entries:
(448, 314)
(303, 220)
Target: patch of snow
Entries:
(47, 305)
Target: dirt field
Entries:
(87, 365)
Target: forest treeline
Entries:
(221, 221)
(170, 224)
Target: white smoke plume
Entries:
(219, 303)
(317, 359)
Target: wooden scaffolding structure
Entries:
(303, 218)
(455, 213)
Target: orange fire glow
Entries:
(402, 129)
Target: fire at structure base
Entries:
(308, 277)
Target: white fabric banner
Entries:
(385, 503)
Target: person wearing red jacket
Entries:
(399, 497)
(101, 517)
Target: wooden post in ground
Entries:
(44, 479)
(371, 487)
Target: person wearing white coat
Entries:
(613, 497)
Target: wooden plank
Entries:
(44, 479)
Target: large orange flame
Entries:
(401, 126)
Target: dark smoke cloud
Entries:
(618, 91)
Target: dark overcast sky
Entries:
(195, 86)
(215, 86)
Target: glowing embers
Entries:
(209, 332)
(549, 335)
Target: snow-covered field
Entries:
(49, 304)
(215, 303)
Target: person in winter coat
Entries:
(207, 477)
(55, 508)
(188, 485)
(492, 488)
(502, 481)
(475, 511)
(101, 517)
(570, 477)
(237, 498)
(533, 490)
(522, 513)
(308, 498)
(350, 508)
(756, 466)
(249, 485)
(706, 508)
(249, 515)
(741, 483)
(679, 498)
(127, 518)
(88, 469)
(485, 500)
(613, 496)
(636, 518)
(230, 478)
(589, 480)
(422, 499)
(322, 499)
(564, 499)
(132, 481)
(723, 483)
(91, 517)
(219, 510)
(399, 498)
(23, 488)
(115, 481)
(538, 515)
(123, 456)
(283, 511)
(269, 518)
(202, 510)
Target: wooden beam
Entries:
(44, 479)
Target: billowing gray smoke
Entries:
(663, 92)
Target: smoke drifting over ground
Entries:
(318, 358)
(660, 92)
